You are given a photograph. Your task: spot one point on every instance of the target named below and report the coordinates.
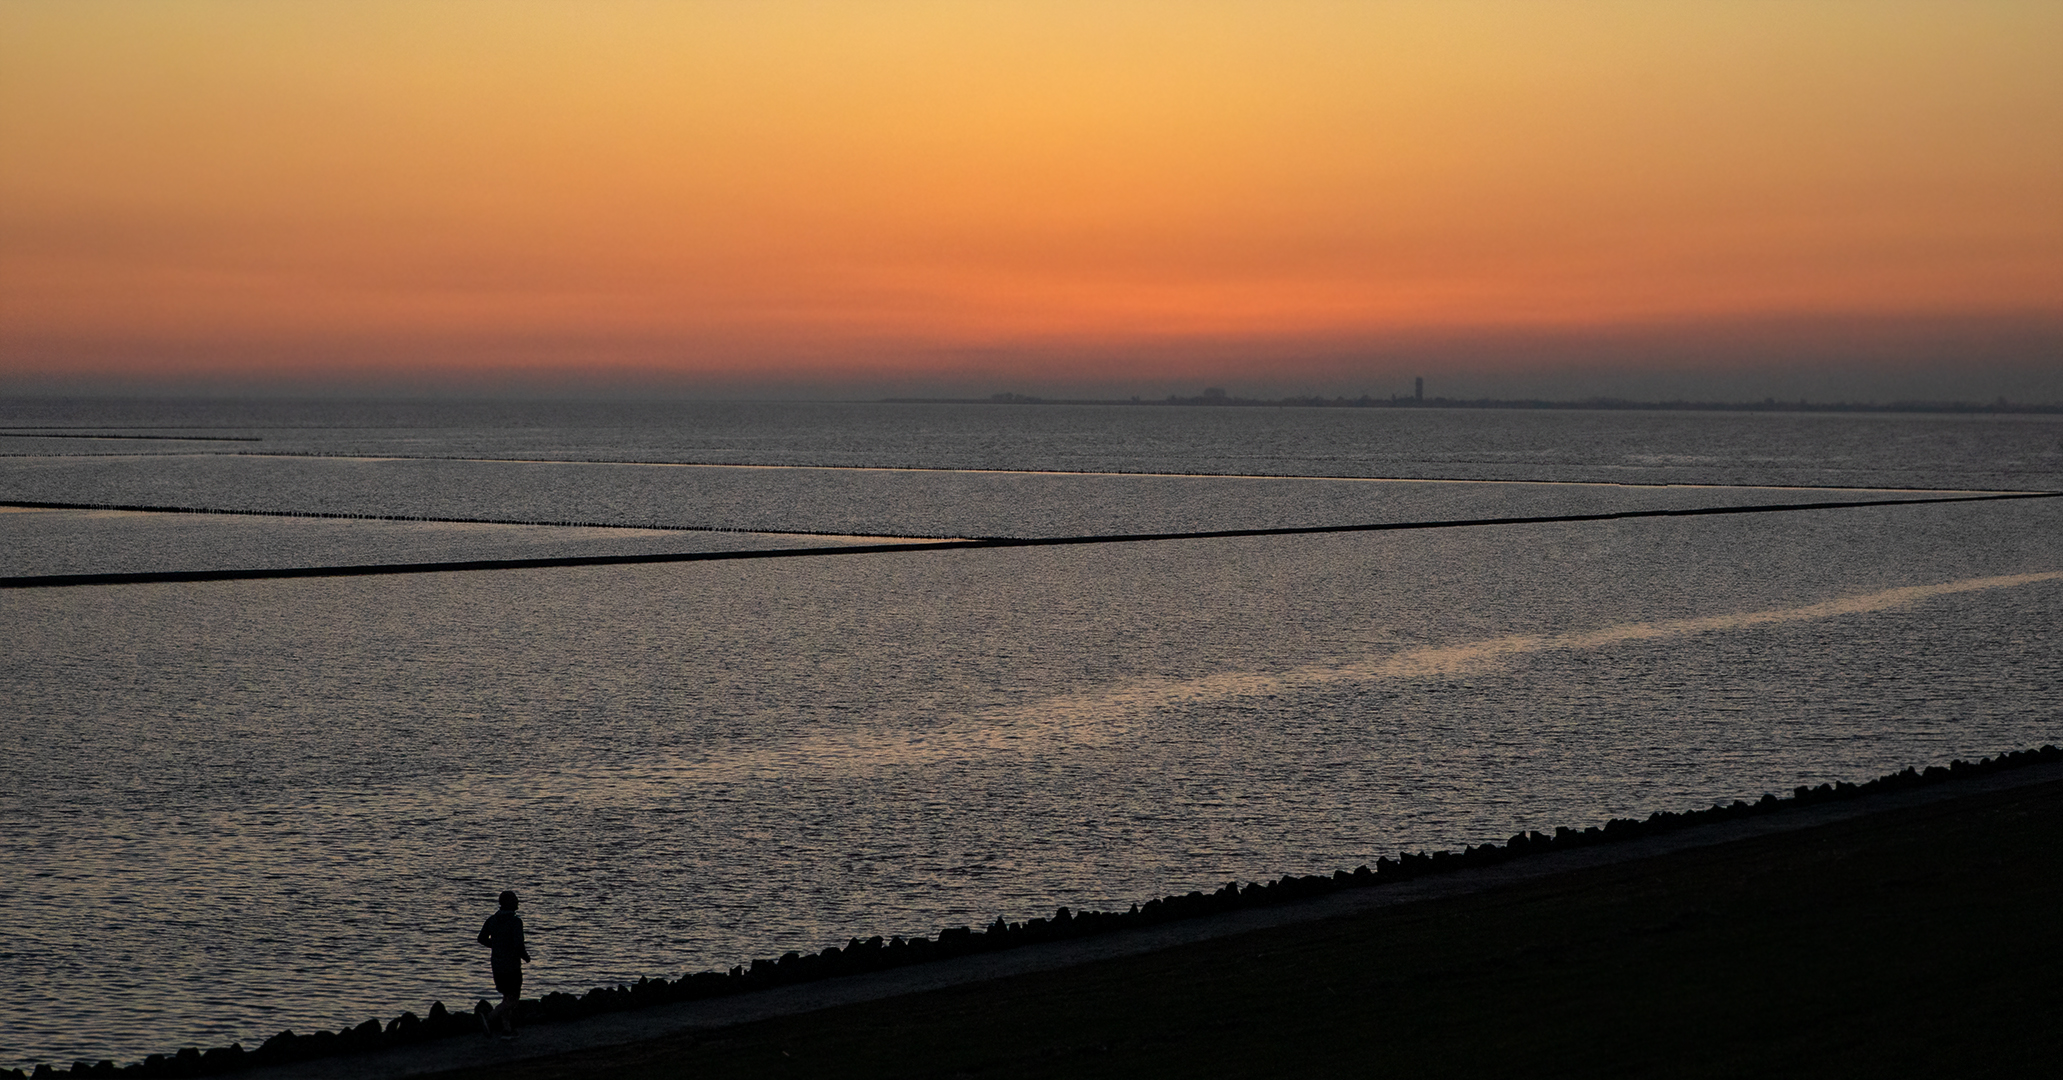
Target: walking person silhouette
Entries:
(503, 933)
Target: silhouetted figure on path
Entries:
(503, 933)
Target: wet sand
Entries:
(1833, 936)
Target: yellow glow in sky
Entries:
(811, 188)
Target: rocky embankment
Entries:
(877, 954)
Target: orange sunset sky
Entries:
(1731, 199)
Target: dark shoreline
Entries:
(875, 955)
(1909, 934)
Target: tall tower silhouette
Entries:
(1418, 392)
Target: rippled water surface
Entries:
(239, 806)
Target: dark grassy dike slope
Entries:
(1924, 941)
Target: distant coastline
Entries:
(1398, 401)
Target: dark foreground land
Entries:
(1922, 941)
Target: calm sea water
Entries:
(242, 806)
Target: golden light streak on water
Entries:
(1111, 716)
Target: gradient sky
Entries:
(1852, 199)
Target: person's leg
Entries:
(509, 981)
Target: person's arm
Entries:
(487, 933)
